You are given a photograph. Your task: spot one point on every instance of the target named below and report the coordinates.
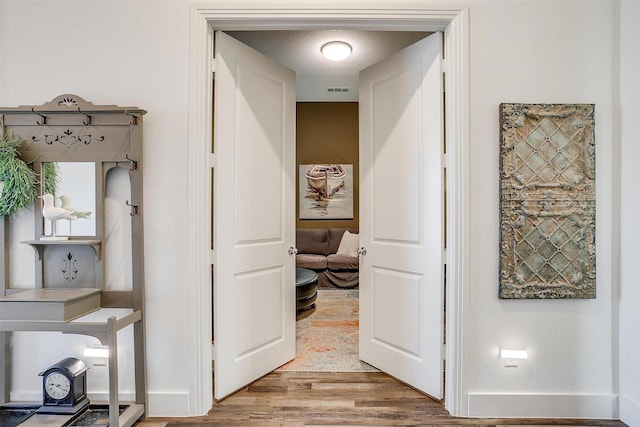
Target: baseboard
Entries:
(104, 397)
(629, 412)
(168, 404)
(93, 397)
(26, 397)
(543, 406)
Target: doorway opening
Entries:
(454, 22)
(401, 329)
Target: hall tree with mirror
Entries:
(84, 275)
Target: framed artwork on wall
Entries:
(547, 201)
(325, 191)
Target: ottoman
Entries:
(306, 292)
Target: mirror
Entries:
(73, 186)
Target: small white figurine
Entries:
(66, 202)
(54, 213)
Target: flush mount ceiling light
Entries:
(336, 51)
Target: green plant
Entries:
(18, 179)
(51, 177)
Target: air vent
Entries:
(338, 89)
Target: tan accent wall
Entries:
(327, 132)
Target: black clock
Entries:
(64, 387)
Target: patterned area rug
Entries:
(327, 339)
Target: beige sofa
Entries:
(318, 251)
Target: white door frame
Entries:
(454, 22)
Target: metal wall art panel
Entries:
(547, 201)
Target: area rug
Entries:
(11, 417)
(327, 339)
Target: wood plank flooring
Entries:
(354, 399)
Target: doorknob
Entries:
(292, 250)
(362, 251)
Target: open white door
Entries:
(254, 214)
(401, 216)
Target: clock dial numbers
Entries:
(57, 386)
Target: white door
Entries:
(401, 216)
(254, 205)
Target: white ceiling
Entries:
(300, 51)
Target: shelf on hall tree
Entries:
(55, 305)
(39, 244)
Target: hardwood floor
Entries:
(362, 399)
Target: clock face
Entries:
(57, 386)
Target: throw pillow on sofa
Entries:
(349, 244)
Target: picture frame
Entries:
(325, 191)
(547, 201)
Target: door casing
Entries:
(454, 23)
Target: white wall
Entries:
(539, 52)
(136, 53)
(630, 206)
(128, 53)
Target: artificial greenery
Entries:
(18, 179)
(51, 177)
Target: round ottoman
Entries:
(306, 292)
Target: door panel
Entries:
(259, 291)
(401, 219)
(258, 161)
(395, 303)
(395, 142)
(254, 283)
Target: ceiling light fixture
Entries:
(336, 50)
